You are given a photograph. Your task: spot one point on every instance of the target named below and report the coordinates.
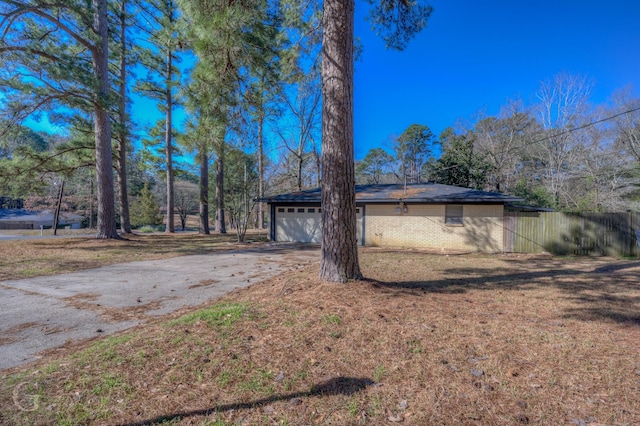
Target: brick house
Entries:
(424, 215)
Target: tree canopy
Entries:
(267, 87)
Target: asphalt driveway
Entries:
(48, 312)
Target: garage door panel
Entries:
(299, 229)
(304, 225)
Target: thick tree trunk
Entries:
(170, 225)
(125, 223)
(221, 226)
(102, 127)
(204, 193)
(339, 261)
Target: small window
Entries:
(300, 210)
(357, 211)
(453, 214)
(280, 209)
(311, 210)
(319, 210)
(291, 210)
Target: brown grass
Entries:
(426, 340)
(29, 258)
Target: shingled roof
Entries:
(433, 193)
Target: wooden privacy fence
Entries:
(599, 234)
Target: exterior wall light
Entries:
(402, 208)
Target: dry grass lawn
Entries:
(30, 258)
(426, 340)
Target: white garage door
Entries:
(304, 225)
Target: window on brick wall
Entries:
(453, 214)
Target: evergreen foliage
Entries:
(459, 165)
(55, 58)
(165, 34)
(413, 148)
(398, 21)
(253, 100)
(376, 167)
(145, 210)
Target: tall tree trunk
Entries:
(56, 215)
(204, 192)
(170, 225)
(260, 171)
(300, 161)
(339, 261)
(125, 223)
(91, 225)
(221, 227)
(102, 127)
(317, 156)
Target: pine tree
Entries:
(160, 21)
(397, 21)
(61, 53)
(123, 50)
(145, 210)
(230, 38)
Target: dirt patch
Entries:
(110, 313)
(53, 329)
(81, 297)
(10, 335)
(18, 328)
(203, 283)
(7, 340)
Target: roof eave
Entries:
(398, 200)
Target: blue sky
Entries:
(474, 55)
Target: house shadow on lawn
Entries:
(608, 292)
(335, 386)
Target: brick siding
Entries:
(424, 226)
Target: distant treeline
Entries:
(11, 203)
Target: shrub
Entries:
(145, 209)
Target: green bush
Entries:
(145, 210)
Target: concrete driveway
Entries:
(43, 313)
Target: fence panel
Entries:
(510, 222)
(612, 234)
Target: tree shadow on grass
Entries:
(608, 292)
(335, 386)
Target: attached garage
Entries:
(303, 224)
(298, 224)
(425, 215)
